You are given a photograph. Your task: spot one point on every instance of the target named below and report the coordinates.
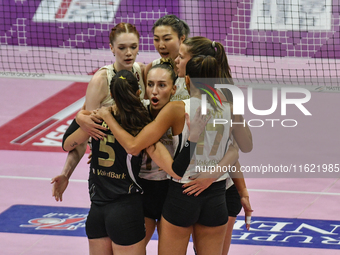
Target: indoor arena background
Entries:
(50, 49)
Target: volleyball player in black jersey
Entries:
(115, 224)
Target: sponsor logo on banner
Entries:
(89, 11)
(264, 231)
(49, 220)
(288, 232)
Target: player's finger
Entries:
(189, 189)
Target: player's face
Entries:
(160, 88)
(125, 48)
(166, 41)
(182, 59)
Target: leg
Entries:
(227, 240)
(209, 240)
(135, 249)
(100, 246)
(234, 205)
(153, 199)
(150, 225)
(173, 239)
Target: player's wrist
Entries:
(243, 193)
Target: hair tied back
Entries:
(167, 61)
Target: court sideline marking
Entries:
(251, 190)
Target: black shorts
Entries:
(208, 208)
(153, 197)
(233, 201)
(121, 220)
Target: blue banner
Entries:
(288, 232)
(44, 220)
(265, 231)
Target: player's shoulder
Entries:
(98, 81)
(175, 106)
(99, 75)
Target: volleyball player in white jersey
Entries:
(205, 215)
(159, 90)
(168, 33)
(236, 195)
(124, 44)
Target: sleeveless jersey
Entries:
(149, 169)
(181, 90)
(211, 148)
(113, 172)
(110, 73)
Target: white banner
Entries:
(89, 11)
(291, 15)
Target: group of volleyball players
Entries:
(126, 154)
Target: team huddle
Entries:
(146, 132)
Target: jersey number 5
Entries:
(104, 146)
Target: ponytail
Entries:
(131, 113)
(204, 67)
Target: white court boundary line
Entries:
(294, 192)
(35, 178)
(251, 190)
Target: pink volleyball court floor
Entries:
(294, 213)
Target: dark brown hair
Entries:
(167, 64)
(131, 113)
(204, 67)
(199, 45)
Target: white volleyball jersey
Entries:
(212, 146)
(110, 73)
(149, 169)
(181, 88)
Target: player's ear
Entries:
(173, 90)
(138, 92)
(112, 49)
(182, 38)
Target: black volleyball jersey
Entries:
(113, 172)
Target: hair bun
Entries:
(168, 61)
